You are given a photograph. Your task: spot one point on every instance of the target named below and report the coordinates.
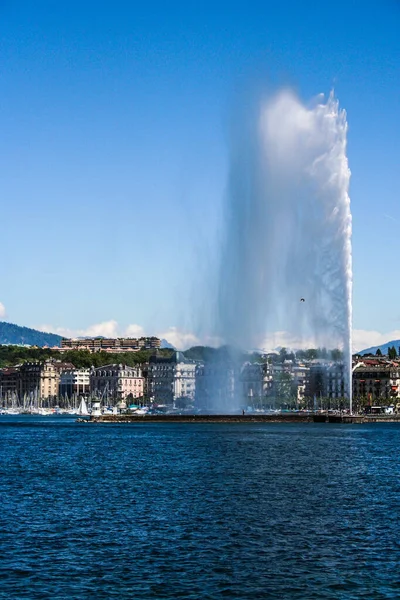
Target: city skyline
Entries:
(114, 154)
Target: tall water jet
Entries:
(287, 229)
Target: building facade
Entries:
(117, 382)
(9, 377)
(336, 383)
(217, 388)
(171, 380)
(74, 383)
(327, 382)
(300, 376)
(376, 382)
(39, 380)
(111, 344)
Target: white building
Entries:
(172, 380)
(74, 382)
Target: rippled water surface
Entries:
(198, 510)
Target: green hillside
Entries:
(14, 334)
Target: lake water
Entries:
(195, 511)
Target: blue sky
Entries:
(113, 149)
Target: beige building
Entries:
(37, 379)
(111, 344)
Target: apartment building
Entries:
(336, 381)
(111, 344)
(41, 379)
(255, 383)
(376, 380)
(117, 382)
(217, 387)
(171, 380)
(8, 383)
(74, 383)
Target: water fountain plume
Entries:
(287, 231)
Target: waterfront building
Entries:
(326, 382)
(226, 386)
(39, 379)
(315, 387)
(74, 383)
(336, 384)
(251, 379)
(117, 382)
(216, 387)
(8, 383)
(34, 379)
(281, 391)
(300, 376)
(172, 380)
(111, 344)
(376, 380)
(256, 383)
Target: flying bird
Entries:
(302, 300)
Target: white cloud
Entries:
(105, 329)
(135, 331)
(180, 339)
(285, 339)
(364, 338)
(2, 311)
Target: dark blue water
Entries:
(198, 511)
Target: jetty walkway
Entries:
(247, 418)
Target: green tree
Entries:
(336, 355)
(283, 389)
(378, 352)
(283, 354)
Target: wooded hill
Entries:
(15, 334)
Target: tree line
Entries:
(83, 359)
(392, 352)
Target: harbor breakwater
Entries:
(250, 418)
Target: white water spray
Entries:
(288, 229)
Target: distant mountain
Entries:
(14, 334)
(383, 348)
(166, 344)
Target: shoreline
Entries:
(251, 418)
